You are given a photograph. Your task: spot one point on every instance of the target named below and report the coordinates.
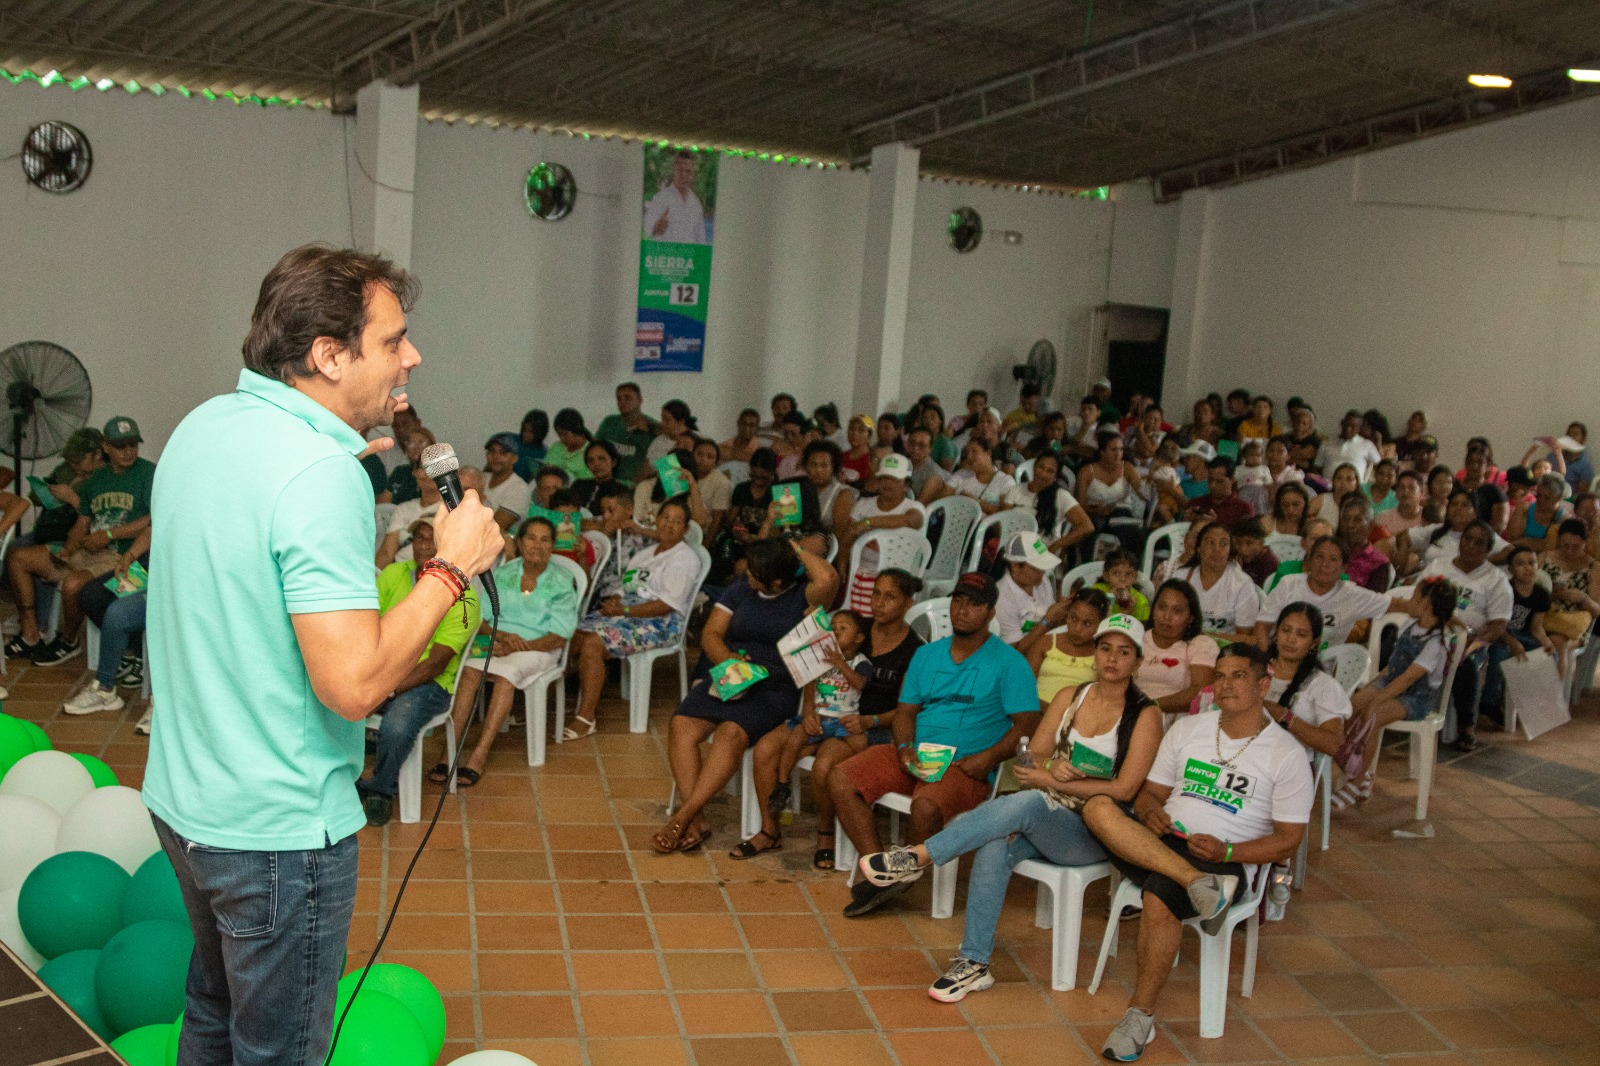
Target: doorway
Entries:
(1136, 350)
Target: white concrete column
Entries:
(885, 278)
(384, 169)
(1186, 330)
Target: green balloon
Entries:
(71, 902)
(16, 741)
(379, 1031)
(153, 894)
(140, 977)
(99, 772)
(71, 976)
(144, 1046)
(41, 742)
(414, 992)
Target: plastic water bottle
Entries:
(1279, 883)
(1023, 758)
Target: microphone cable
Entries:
(479, 699)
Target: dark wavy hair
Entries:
(1190, 597)
(1311, 663)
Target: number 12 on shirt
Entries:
(684, 295)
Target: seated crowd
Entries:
(1162, 721)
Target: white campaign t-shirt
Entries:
(1342, 606)
(1448, 546)
(1267, 779)
(1021, 496)
(1231, 604)
(1019, 610)
(669, 576)
(1321, 699)
(513, 494)
(1164, 671)
(1484, 595)
(966, 482)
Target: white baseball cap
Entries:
(897, 466)
(1029, 548)
(1125, 625)
(1201, 448)
(1103, 383)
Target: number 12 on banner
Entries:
(684, 295)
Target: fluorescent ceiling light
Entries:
(1577, 74)
(1489, 81)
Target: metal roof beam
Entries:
(101, 38)
(1530, 92)
(1221, 28)
(430, 43)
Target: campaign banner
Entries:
(680, 202)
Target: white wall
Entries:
(1459, 275)
(149, 272)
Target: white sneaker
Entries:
(93, 699)
(142, 729)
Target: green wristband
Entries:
(1228, 856)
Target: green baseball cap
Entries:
(122, 429)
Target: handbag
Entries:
(1570, 624)
(1352, 754)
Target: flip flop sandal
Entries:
(569, 733)
(822, 859)
(667, 839)
(1352, 793)
(747, 848)
(440, 774)
(466, 777)
(693, 843)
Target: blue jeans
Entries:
(1055, 835)
(123, 619)
(269, 940)
(404, 715)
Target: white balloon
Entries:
(27, 837)
(52, 776)
(493, 1058)
(11, 928)
(110, 821)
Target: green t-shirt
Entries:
(945, 448)
(109, 499)
(630, 444)
(455, 629)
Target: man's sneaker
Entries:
(884, 868)
(17, 648)
(377, 808)
(93, 699)
(866, 897)
(1211, 896)
(1131, 1036)
(57, 651)
(142, 728)
(130, 672)
(962, 977)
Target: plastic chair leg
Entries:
(1108, 944)
(1044, 914)
(1067, 937)
(1252, 941)
(683, 675)
(1214, 952)
(1426, 745)
(538, 715)
(91, 643)
(411, 785)
(749, 802)
(845, 855)
(944, 889)
(1327, 805)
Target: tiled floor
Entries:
(553, 930)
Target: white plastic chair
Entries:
(1215, 951)
(1285, 547)
(411, 769)
(905, 549)
(1059, 908)
(745, 786)
(537, 690)
(960, 513)
(602, 548)
(695, 536)
(738, 470)
(935, 614)
(1024, 472)
(1088, 573)
(637, 668)
(1006, 523)
(1424, 734)
(1171, 535)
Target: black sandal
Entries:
(748, 850)
(822, 858)
(466, 777)
(440, 774)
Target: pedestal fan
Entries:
(48, 396)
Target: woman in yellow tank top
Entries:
(1067, 659)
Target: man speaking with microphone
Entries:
(267, 650)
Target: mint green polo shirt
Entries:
(261, 511)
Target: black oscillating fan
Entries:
(56, 157)
(48, 394)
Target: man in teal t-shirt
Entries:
(964, 703)
(424, 693)
(113, 508)
(630, 431)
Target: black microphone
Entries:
(440, 463)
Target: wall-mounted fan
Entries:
(48, 395)
(550, 192)
(1040, 369)
(966, 229)
(56, 157)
